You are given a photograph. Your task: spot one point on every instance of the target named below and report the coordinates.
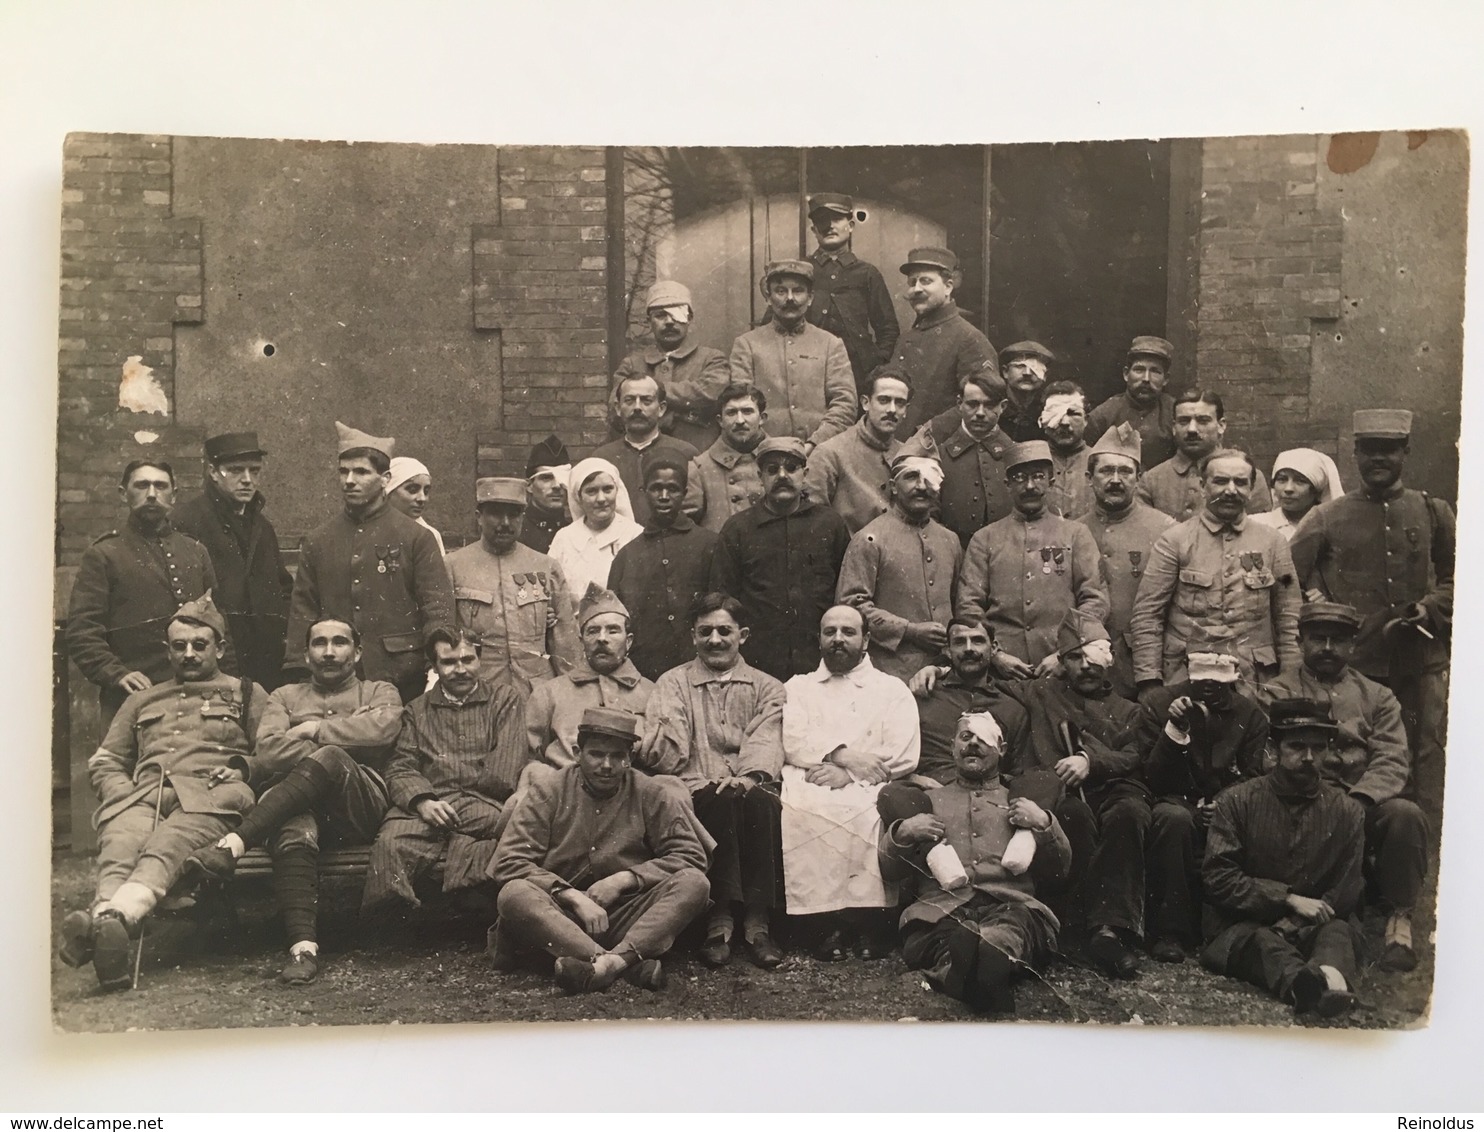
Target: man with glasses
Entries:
(1023, 573)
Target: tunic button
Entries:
(671, 617)
(664, 562)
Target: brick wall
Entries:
(1269, 284)
(540, 282)
(130, 272)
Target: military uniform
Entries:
(851, 302)
(1208, 582)
(851, 472)
(128, 587)
(539, 527)
(973, 494)
(253, 585)
(1022, 575)
(1174, 487)
(938, 351)
(511, 601)
(692, 376)
(897, 572)
(805, 375)
(1155, 425)
(1070, 491)
(723, 482)
(1124, 545)
(383, 573)
(555, 708)
(181, 731)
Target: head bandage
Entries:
(562, 472)
(984, 727)
(678, 312)
(403, 468)
(1214, 666)
(931, 470)
(1057, 406)
(1098, 652)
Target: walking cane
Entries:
(139, 948)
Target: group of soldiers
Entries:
(884, 631)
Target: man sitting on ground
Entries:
(600, 866)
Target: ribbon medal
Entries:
(381, 559)
(1136, 563)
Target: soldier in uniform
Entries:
(1023, 365)
(969, 445)
(691, 374)
(900, 570)
(1218, 577)
(128, 587)
(253, 586)
(1125, 530)
(515, 598)
(940, 349)
(851, 472)
(547, 471)
(1388, 551)
(1174, 486)
(1022, 573)
(1144, 404)
(641, 402)
(803, 370)
(374, 566)
(1064, 421)
(1370, 761)
(172, 775)
(850, 297)
(724, 479)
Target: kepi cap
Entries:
(1383, 424)
(609, 721)
(204, 611)
(354, 438)
(839, 203)
(800, 267)
(930, 257)
(1026, 350)
(667, 293)
(1027, 452)
(233, 444)
(1299, 715)
(782, 445)
(500, 489)
(1330, 613)
(1151, 346)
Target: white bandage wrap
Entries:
(984, 727)
(562, 472)
(1057, 406)
(1098, 652)
(930, 469)
(1019, 853)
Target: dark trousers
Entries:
(1270, 959)
(969, 952)
(747, 865)
(645, 923)
(1176, 839)
(1115, 881)
(407, 848)
(1424, 701)
(1396, 849)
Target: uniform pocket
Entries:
(395, 643)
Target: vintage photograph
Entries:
(993, 582)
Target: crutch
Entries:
(139, 947)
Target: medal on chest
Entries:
(1136, 563)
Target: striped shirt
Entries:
(446, 748)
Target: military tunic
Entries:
(897, 572)
(556, 706)
(939, 350)
(1174, 487)
(723, 482)
(1124, 545)
(657, 577)
(253, 586)
(1070, 491)
(1213, 585)
(540, 527)
(511, 601)
(851, 473)
(1023, 422)
(128, 587)
(805, 375)
(692, 377)
(383, 573)
(974, 493)
(1155, 425)
(852, 302)
(1023, 575)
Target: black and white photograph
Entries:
(612, 577)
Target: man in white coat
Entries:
(848, 728)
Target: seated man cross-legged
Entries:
(601, 866)
(322, 748)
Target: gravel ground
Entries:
(211, 977)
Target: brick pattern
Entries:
(1269, 282)
(130, 272)
(540, 282)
